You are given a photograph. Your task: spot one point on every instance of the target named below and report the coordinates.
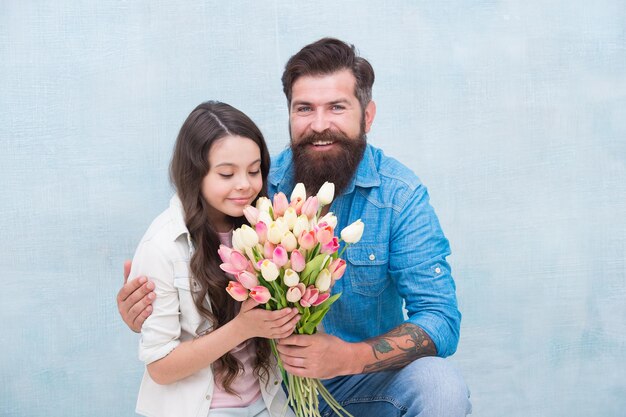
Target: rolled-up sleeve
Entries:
(160, 333)
(418, 251)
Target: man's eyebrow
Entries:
(340, 101)
(298, 102)
(337, 101)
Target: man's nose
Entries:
(320, 122)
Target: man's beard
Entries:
(313, 168)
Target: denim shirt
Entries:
(400, 261)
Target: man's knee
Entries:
(438, 389)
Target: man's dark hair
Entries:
(325, 57)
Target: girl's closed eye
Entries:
(225, 175)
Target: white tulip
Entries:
(290, 217)
(265, 217)
(269, 270)
(274, 233)
(264, 204)
(291, 278)
(353, 233)
(326, 193)
(330, 220)
(237, 241)
(298, 192)
(248, 236)
(323, 280)
(282, 225)
(289, 242)
(302, 225)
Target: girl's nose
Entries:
(243, 183)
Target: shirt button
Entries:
(208, 396)
(372, 257)
(437, 270)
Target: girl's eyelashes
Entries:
(253, 173)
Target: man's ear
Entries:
(370, 112)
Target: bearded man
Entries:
(382, 345)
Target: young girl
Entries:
(204, 355)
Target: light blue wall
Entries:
(512, 112)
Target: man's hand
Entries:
(134, 300)
(317, 356)
(324, 356)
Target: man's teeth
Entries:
(322, 142)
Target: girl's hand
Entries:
(257, 322)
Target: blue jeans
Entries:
(428, 387)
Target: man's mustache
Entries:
(326, 136)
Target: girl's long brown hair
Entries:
(206, 124)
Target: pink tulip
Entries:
(279, 257)
(280, 204)
(297, 204)
(324, 233)
(260, 294)
(268, 249)
(309, 296)
(237, 291)
(294, 294)
(307, 240)
(297, 261)
(238, 263)
(248, 279)
(330, 247)
(337, 268)
(252, 214)
(261, 230)
(224, 253)
(310, 206)
(321, 298)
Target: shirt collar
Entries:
(178, 219)
(366, 175)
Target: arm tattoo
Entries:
(399, 347)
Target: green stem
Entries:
(283, 373)
(343, 249)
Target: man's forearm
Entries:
(397, 348)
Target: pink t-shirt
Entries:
(245, 384)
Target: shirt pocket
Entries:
(190, 318)
(368, 266)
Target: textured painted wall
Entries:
(512, 112)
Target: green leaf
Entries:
(312, 269)
(322, 309)
(309, 328)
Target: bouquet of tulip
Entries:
(289, 257)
